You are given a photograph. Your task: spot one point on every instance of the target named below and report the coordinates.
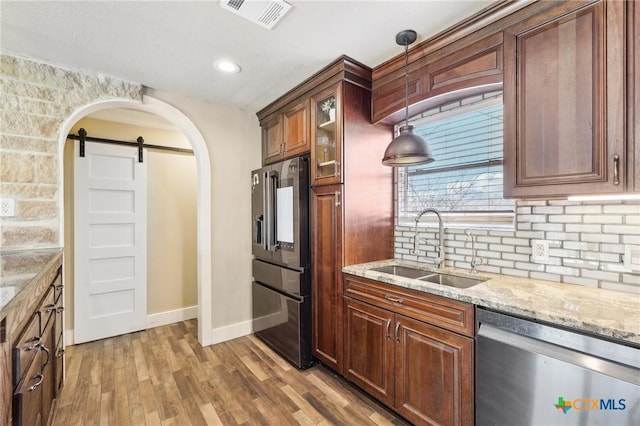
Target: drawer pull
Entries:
(40, 378)
(388, 324)
(48, 352)
(33, 343)
(49, 308)
(60, 353)
(394, 299)
(396, 332)
(60, 309)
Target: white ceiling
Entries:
(171, 45)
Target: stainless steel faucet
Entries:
(474, 260)
(438, 261)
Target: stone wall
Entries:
(35, 99)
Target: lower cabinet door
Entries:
(434, 374)
(27, 400)
(369, 343)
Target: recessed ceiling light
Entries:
(227, 66)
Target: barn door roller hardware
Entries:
(82, 137)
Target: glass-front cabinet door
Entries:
(326, 136)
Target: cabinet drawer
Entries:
(442, 312)
(47, 307)
(26, 348)
(27, 400)
(58, 286)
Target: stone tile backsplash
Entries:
(586, 243)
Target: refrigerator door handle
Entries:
(258, 222)
(270, 188)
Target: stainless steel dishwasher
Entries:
(529, 373)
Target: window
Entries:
(465, 181)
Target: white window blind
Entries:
(465, 180)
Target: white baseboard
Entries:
(153, 320)
(170, 317)
(68, 338)
(233, 331)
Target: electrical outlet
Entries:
(7, 207)
(540, 251)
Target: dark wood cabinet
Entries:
(434, 374)
(326, 261)
(369, 349)
(326, 136)
(633, 94)
(286, 134)
(422, 368)
(564, 112)
(474, 65)
(38, 359)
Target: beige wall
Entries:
(37, 98)
(171, 215)
(233, 140)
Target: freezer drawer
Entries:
(289, 281)
(284, 323)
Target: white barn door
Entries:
(110, 226)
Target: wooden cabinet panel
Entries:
(26, 348)
(563, 94)
(296, 130)
(47, 369)
(272, 140)
(476, 64)
(368, 348)
(286, 134)
(633, 94)
(434, 374)
(480, 63)
(326, 258)
(446, 313)
(431, 368)
(27, 400)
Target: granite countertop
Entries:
(606, 313)
(19, 268)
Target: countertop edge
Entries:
(557, 303)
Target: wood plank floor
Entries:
(162, 376)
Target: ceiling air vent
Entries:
(264, 13)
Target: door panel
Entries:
(110, 242)
(326, 284)
(369, 344)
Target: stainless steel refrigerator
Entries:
(281, 289)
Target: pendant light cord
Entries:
(406, 81)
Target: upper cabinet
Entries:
(286, 134)
(564, 108)
(474, 65)
(326, 136)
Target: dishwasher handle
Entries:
(586, 361)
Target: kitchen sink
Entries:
(452, 280)
(402, 271)
(430, 276)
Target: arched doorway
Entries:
(184, 124)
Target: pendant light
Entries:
(407, 148)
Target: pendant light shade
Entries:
(407, 148)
